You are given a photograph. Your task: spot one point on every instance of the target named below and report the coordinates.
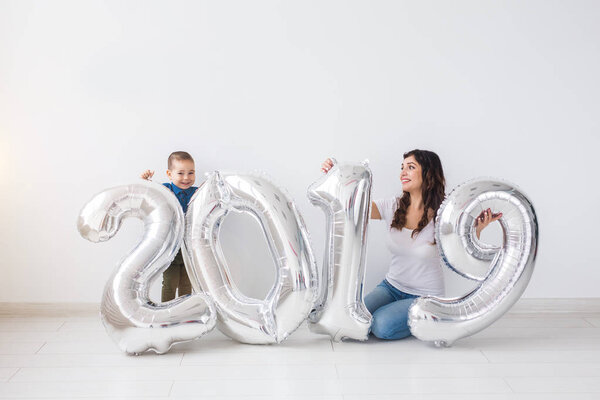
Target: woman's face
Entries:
(411, 176)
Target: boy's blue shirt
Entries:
(183, 195)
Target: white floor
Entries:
(534, 352)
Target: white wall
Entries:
(93, 92)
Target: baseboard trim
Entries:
(547, 305)
(523, 306)
(48, 309)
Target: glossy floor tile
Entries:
(531, 353)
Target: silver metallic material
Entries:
(131, 319)
(503, 272)
(344, 194)
(292, 297)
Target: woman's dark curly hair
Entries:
(432, 189)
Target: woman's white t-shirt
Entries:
(415, 266)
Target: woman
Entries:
(415, 268)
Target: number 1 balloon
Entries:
(503, 272)
(134, 322)
(344, 194)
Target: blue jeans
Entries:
(389, 308)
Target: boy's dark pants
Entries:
(175, 277)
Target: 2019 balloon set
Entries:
(330, 301)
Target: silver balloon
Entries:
(503, 272)
(292, 297)
(344, 194)
(131, 319)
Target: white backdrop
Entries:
(94, 92)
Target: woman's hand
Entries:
(484, 219)
(327, 165)
(147, 175)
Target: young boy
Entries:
(181, 172)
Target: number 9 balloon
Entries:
(503, 272)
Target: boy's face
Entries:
(182, 173)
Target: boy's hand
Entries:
(147, 175)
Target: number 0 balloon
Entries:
(291, 298)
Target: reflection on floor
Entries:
(542, 349)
